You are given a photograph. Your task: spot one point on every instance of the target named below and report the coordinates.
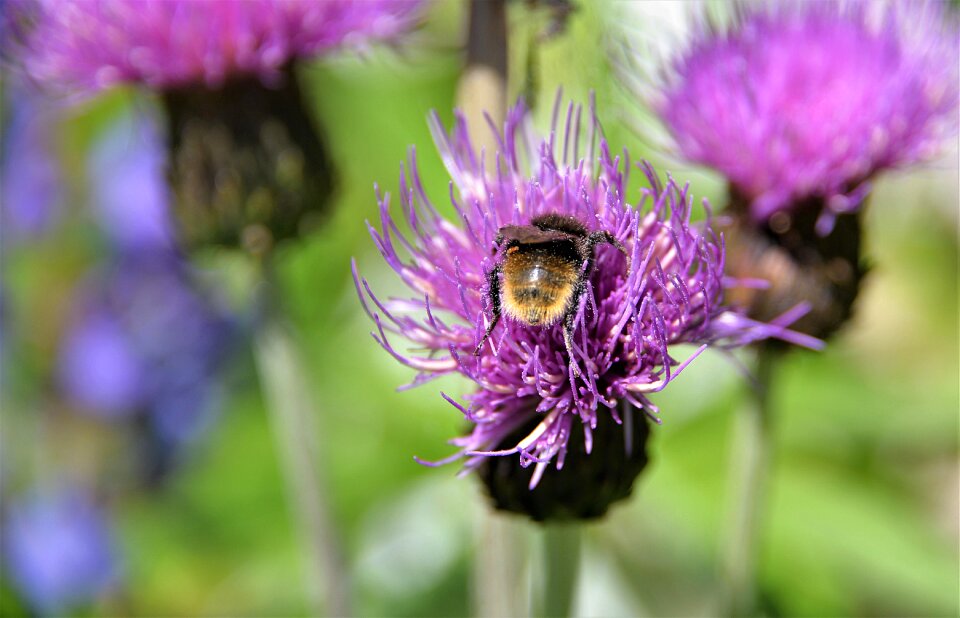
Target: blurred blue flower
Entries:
(59, 550)
(129, 193)
(143, 341)
(31, 193)
(99, 367)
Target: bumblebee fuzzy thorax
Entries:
(539, 281)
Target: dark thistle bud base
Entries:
(247, 167)
(800, 265)
(585, 487)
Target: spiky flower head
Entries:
(626, 325)
(247, 166)
(94, 44)
(793, 101)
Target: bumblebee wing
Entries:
(529, 235)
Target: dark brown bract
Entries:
(542, 272)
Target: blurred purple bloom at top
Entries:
(143, 340)
(625, 327)
(31, 190)
(93, 44)
(811, 99)
(130, 196)
(59, 551)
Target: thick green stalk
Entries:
(294, 417)
(749, 471)
(561, 554)
(500, 555)
(500, 576)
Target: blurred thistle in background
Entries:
(531, 401)
(800, 106)
(247, 165)
(59, 549)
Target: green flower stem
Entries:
(749, 469)
(499, 561)
(294, 417)
(561, 553)
(482, 88)
(500, 576)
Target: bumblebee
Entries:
(545, 268)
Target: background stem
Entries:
(293, 418)
(501, 588)
(749, 466)
(482, 88)
(561, 554)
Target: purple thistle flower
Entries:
(625, 326)
(59, 551)
(94, 44)
(809, 100)
(247, 166)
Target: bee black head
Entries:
(560, 223)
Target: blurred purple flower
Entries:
(98, 367)
(797, 100)
(93, 44)
(59, 550)
(625, 327)
(144, 341)
(130, 196)
(31, 192)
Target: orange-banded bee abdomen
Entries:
(539, 281)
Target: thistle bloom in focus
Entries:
(799, 106)
(58, 550)
(534, 406)
(247, 165)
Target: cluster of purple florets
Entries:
(798, 100)
(94, 44)
(628, 320)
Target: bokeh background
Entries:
(168, 458)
